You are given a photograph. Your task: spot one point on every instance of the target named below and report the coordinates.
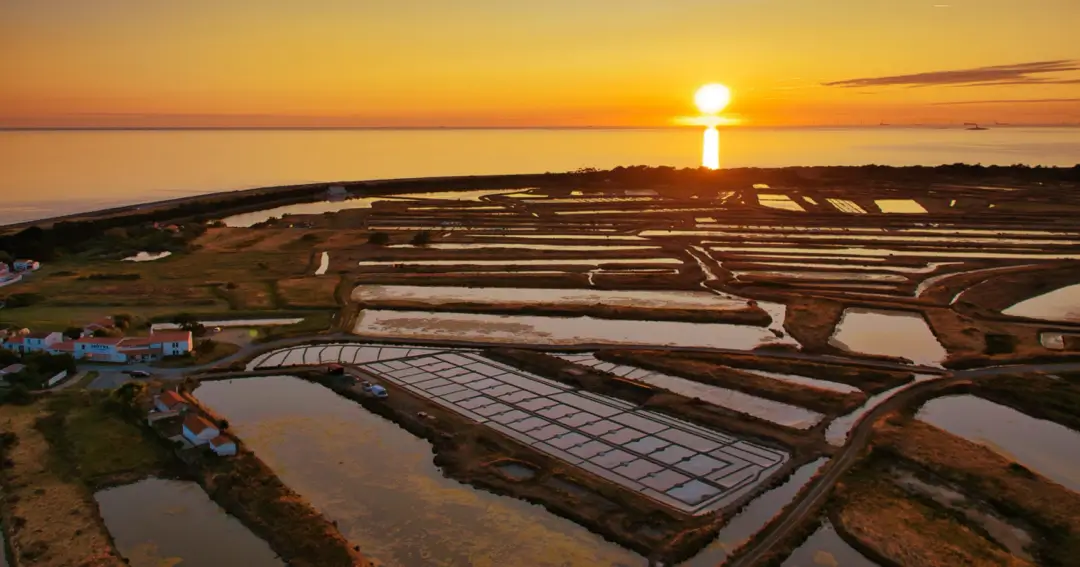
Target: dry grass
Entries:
(309, 291)
(54, 523)
(909, 532)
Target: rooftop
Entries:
(197, 424)
(171, 399)
(220, 440)
(100, 340)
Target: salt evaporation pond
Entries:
(157, 522)
(888, 333)
(521, 246)
(769, 410)
(1059, 305)
(754, 517)
(379, 484)
(324, 264)
(247, 220)
(533, 262)
(530, 329)
(837, 432)
(1045, 447)
(147, 257)
(437, 295)
(230, 323)
(825, 547)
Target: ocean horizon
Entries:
(56, 172)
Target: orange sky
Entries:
(517, 63)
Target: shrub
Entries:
(379, 239)
(422, 238)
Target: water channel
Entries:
(157, 522)
(380, 484)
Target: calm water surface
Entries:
(47, 173)
(379, 483)
(1045, 447)
(158, 522)
(825, 547)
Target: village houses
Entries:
(105, 349)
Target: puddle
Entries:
(837, 432)
(546, 262)
(754, 517)
(157, 522)
(782, 202)
(147, 257)
(769, 410)
(826, 548)
(1059, 305)
(825, 276)
(889, 333)
(905, 206)
(379, 484)
(231, 323)
(538, 330)
(516, 471)
(1013, 538)
(520, 246)
(324, 264)
(845, 206)
(1042, 446)
(532, 296)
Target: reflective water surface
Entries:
(378, 482)
(157, 522)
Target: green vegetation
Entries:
(19, 300)
(40, 367)
(314, 322)
(93, 439)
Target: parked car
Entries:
(137, 373)
(374, 390)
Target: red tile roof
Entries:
(171, 336)
(39, 335)
(66, 346)
(135, 342)
(171, 399)
(221, 440)
(14, 340)
(196, 424)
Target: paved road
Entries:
(806, 502)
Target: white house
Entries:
(41, 341)
(223, 446)
(25, 265)
(170, 401)
(198, 430)
(130, 349)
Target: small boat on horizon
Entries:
(974, 126)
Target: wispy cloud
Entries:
(1016, 74)
(1010, 101)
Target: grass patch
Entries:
(314, 322)
(96, 445)
(1012, 490)
(309, 291)
(86, 380)
(910, 531)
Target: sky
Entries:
(505, 63)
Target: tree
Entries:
(122, 321)
(189, 322)
(72, 333)
(8, 357)
(379, 239)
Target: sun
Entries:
(712, 98)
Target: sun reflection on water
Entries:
(710, 149)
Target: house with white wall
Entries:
(36, 342)
(223, 445)
(99, 349)
(198, 430)
(128, 349)
(170, 401)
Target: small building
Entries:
(12, 369)
(223, 446)
(36, 342)
(170, 401)
(198, 430)
(100, 349)
(14, 343)
(25, 265)
(62, 347)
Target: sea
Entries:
(47, 173)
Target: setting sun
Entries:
(712, 98)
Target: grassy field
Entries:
(221, 275)
(204, 354)
(909, 531)
(1013, 491)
